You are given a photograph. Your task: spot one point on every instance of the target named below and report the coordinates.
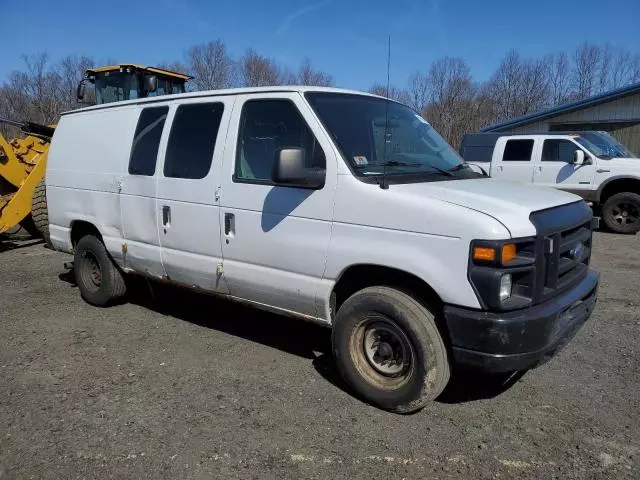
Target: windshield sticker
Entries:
(360, 160)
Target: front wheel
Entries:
(389, 350)
(621, 212)
(98, 278)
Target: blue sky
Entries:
(346, 38)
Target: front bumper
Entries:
(521, 339)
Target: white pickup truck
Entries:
(329, 205)
(593, 165)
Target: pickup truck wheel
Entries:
(621, 212)
(388, 349)
(97, 276)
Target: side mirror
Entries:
(578, 157)
(80, 92)
(150, 83)
(289, 169)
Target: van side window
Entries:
(192, 140)
(267, 126)
(517, 151)
(144, 149)
(558, 151)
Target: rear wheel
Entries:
(100, 281)
(621, 212)
(389, 350)
(39, 211)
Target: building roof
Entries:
(564, 108)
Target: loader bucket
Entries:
(22, 166)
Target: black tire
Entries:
(39, 211)
(408, 325)
(100, 281)
(621, 213)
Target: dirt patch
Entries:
(152, 389)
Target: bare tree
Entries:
(534, 88)
(307, 75)
(451, 95)
(258, 71)
(634, 74)
(519, 86)
(210, 65)
(287, 77)
(559, 72)
(70, 70)
(40, 92)
(418, 91)
(586, 58)
(394, 93)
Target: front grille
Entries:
(563, 248)
(569, 256)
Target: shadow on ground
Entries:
(304, 339)
(7, 243)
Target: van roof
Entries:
(222, 92)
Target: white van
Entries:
(330, 205)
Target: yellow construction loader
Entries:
(23, 202)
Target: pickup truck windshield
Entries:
(376, 135)
(603, 145)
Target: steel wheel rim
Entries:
(385, 377)
(91, 271)
(626, 213)
(386, 348)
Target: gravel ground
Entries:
(150, 390)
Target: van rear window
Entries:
(144, 150)
(192, 140)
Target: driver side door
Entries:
(275, 237)
(555, 167)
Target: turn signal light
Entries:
(484, 254)
(508, 253)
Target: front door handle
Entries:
(166, 215)
(229, 224)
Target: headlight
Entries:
(502, 272)
(505, 287)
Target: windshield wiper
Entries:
(396, 163)
(459, 167)
(393, 163)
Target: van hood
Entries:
(510, 203)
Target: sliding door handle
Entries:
(166, 215)
(229, 224)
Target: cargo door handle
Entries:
(229, 224)
(166, 216)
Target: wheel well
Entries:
(81, 228)
(618, 186)
(357, 277)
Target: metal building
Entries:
(616, 112)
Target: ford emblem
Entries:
(577, 251)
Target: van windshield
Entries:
(603, 145)
(376, 135)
